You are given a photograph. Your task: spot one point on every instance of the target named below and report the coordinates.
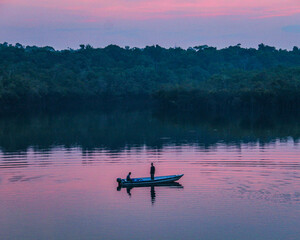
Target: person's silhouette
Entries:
(152, 171)
(128, 178)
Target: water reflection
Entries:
(153, 195)
(152, 188)
(253, 188)
(117, 131)
(57, 177)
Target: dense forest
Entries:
(197, 78)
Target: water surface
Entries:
(58, 177)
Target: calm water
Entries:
(58, 177)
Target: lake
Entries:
(58, 176)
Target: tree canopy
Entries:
(43, 74)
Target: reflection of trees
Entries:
(118, 131)
(10, 162)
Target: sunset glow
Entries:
(133, 9)
(140, 23)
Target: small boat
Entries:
(148, 180)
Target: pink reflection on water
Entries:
(250, 185)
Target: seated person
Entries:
(128, 178)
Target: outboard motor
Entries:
(119, 180)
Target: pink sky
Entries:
(67, 23)
(136, 9)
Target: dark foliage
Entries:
(197, 78)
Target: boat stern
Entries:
(119, 180)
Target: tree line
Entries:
(200, 77)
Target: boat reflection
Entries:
(152, 188)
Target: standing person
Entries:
(128, 178)
(152, 171)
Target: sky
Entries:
(137, 23)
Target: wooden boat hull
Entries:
(148, 181)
